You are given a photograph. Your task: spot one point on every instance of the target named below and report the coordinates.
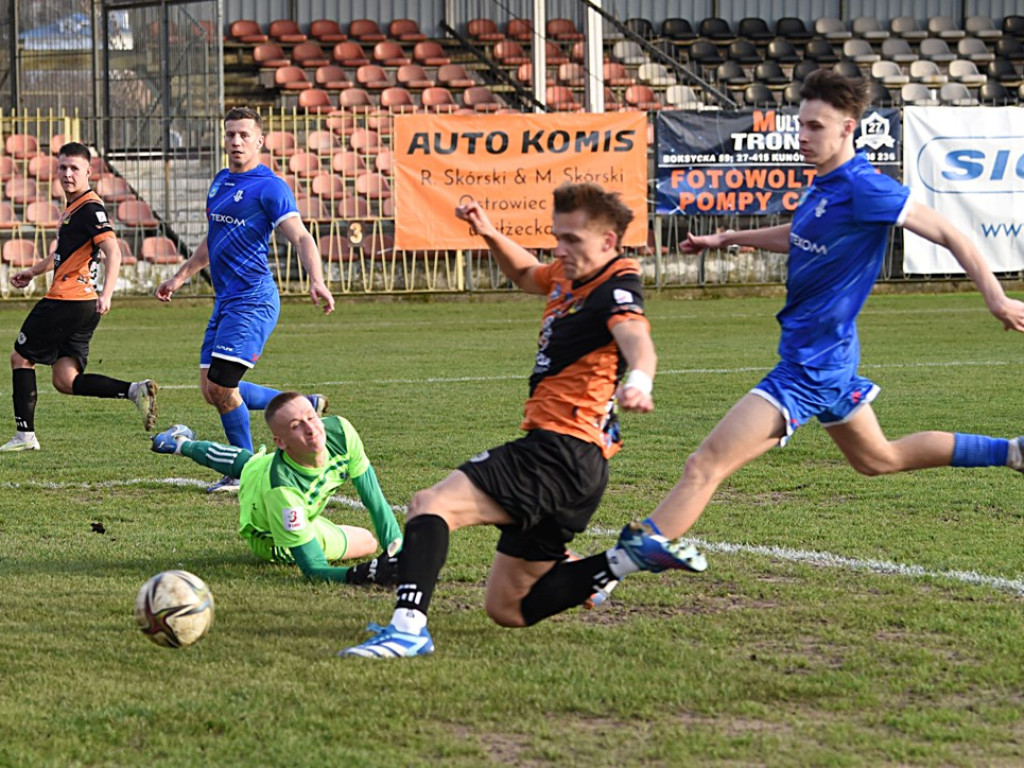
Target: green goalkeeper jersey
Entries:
(279, 497)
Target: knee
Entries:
(700, 468)
(64, 382)
(222, 398)
(505, 614)
(871, 466)
(423, 503)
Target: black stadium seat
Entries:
(678, 29)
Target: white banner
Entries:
(968, 164)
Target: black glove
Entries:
(381, 570)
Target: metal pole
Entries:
(594, 60)
(540, 54)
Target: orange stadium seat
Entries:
(519, 29)
(322, 142)
(8, 218)
(42, 167)
(310, 55)
(390, 54)
(328, 186)
(348, 163)
(454, 76)
(332, 77)
(316, 101)
(561, 99)
(270, 55)
(21, 146)
(291, 78)
(642, 97)
(127, 257)
(509, 53)
(349, 54)
(553, 53)
(484, 31)
(20, 253)
(406, 30)
(365, 141)
(286, 31)
(481, 99)
(373, 77)
(304, 164)
(366, 31)
(247, 31)
(136, 213)
(352, 206)
(8, 169)
(313, 210)
(22, 191)
(563, 29)
(438, 99)
(356, 101)
(327, 31)
(429, 53)
(158, 249)
(373, 186)
(414, 77)
(397, 100)
(280, 143)
(340, 124)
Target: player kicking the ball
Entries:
(282, 495)
(541, 490)
(836, 243)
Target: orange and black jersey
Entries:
(83, 226)
(579, 365)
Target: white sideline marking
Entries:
(824, 559)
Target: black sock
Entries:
(424, 551)
(568, 584)
(24, 383)
(98, 385)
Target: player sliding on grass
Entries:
(282, 494)
(836, 243)
(541, 490)
(60, 326)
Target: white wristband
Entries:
(639, 380)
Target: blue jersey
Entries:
(836, 246)
(242, 210)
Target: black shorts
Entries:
(549, 483)
(55, 329)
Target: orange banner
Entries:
(511, 164)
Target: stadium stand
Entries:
(286, 32)
(832, 28)
(897, 49)
(349, 53)
(641, 27)
(247, 31)
(365, 31)
(327, 31)
(406, 31)
(869, 28)
(944, 27)
(372, 77)
(716, 29)
(310, 55)
(755, 29)
(332, 77)
(782, 51)
(974, 49)
(389, 53)
(270, 55)
(678, 30)
(793, 29)
(484, 31)
(908, 28)
(927, 72)
(936, 49)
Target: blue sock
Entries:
(256, 397)
(979, 451)
(236, 427)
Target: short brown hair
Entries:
(598, 203)
(245, 113)
(75, 149)
(848, 96)
(281, 399)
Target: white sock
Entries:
(409, 620)
(619, 563)
(24, 437)
(1013, 455)
(133, 392)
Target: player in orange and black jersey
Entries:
(542, 489)
(58, 329)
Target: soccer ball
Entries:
(174, 609)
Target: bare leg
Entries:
(869, 451)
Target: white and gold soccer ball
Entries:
(174, 609)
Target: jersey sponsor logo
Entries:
(622, 296)
(807, 245)
(223, 218)
(481, 457)
(101, 217)
(292, 519)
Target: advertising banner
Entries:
(968, 164)
(748, 162)
(511, 164)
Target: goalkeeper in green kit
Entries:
(282, 494)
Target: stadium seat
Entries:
(429, 53)
(654, 73)
(957, 95)
(280, 143)
(414, 77)
(352, 206)
(918, 94)
(705, 54)
(406, 31)
(678, 30)
(783, 51)
(327, 31)
(389, 54)
(332, 77)
(336, 248)
(570, 73)
(682, 97)
(42, 168)
(966, 72)
(127, 257)
(304, 164)
(247, 31)
(19, 253)
(8, 218)
(743, 51)
(927, 72)
(889, 73)
(366, 31)
(628, 52)
(322, 142)
(372, 77)
(758, 95)
(804, 68)
(553, 54)
(365, 141)
(348, 163)
(8, 168)
(559, 98)
(641, 97)
(397, 100)
(158, 249)
(270, 55)
(944, 27)
(438, 99)
(310, 55)
(869, 28)
(563, 30)
(313, 210)
(286, 31)
(791, 93)
(356, 101)
(793, 29)
(717, 29)
(994, 93)
(880, 95)
(820, 50)
(999, 70)
(770, 73)
(832, 29)
(349, 53)
(849, 69)
(291, 78)
(732, 74)
(519, 29)
(860, 51)
(974, 49)
(897, 49)
(936, 49)
(111, 188)
(481, 99)
(373, 186)
(616, 74)
(21, 146)
(136, 214)
(509, 53)
(907, 27)
(454, 77)
(484, 31)
(1009, 48)
(1013, 26)
(98, 166)
(384, 163)
(756, 29)
(641, 27)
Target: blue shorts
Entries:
(239, 328)
(800, 394)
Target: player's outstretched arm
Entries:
(384, 522)
(931, 225)
(634, 340)
(516, 262)
(775, 239)
(313, 563)
(199, 259)
(309, 256)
